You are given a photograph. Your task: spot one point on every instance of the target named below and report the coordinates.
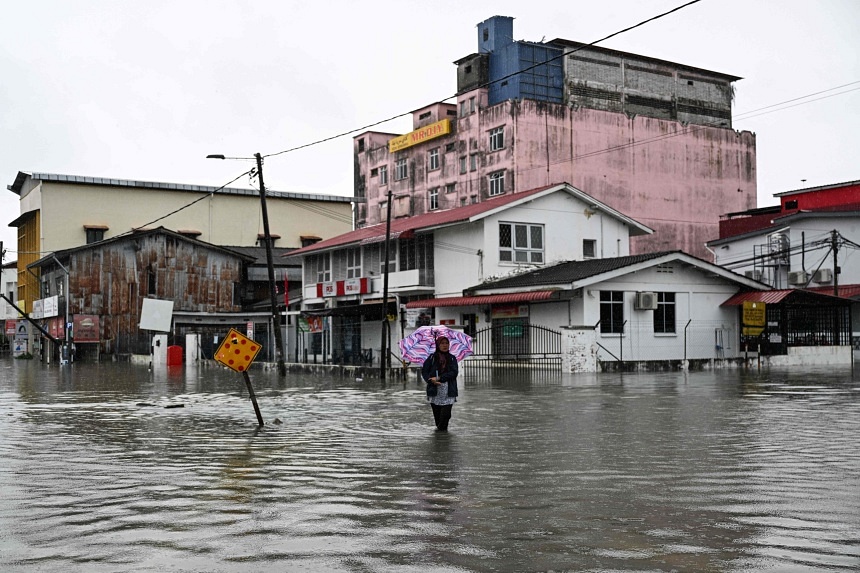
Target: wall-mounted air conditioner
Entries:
(754, 275)
(798, 278)
(645, 301)
(823, 276)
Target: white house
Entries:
(440, 254)
(666, 306)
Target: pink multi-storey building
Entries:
(651, 138)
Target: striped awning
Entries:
(482, 300)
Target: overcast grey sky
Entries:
(145, 90)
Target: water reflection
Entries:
(708, 471)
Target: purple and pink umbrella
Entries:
(416, 347)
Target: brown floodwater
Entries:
(112, 467)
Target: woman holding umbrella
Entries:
(440, 372)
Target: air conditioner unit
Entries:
(823, 276)
(754, 275)
(797, 278)
(645, 301)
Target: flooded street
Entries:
(715, 471)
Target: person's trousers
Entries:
(442, 415)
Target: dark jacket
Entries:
(449, 375)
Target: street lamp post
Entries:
(267, 238)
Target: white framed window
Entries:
(434, 159)
(401, 171)
(664, 316)
(353, 263)
(497, 138)
(383, 174)
(434, 198)
(323, 268)
(611, 312)
(521, 243)
(497, 183)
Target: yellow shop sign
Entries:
(426, 133)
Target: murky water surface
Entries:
(726, 471)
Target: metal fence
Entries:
(695, 340)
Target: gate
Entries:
(514, 343)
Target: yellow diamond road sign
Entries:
(237, 351)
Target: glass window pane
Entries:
(504, 235)
(522, 237)
(505, 256)
(537, 237)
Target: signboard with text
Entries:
(420, 135)
(86, 328)
(753, 318)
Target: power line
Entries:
(563, 54)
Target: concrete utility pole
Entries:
(834, 246)
(383, 354)
(276, 316)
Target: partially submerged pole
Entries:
(253, 397)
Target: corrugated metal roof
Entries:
(482, 300)
(792, 296)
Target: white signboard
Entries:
(38, 309)
(51, 306)
(156, 315)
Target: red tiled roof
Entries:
(410, 224)
(486, 299)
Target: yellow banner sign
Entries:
(426, 133)
(237, 351)
(753, 318)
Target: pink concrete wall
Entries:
(676, 179)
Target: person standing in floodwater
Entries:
(440, 373)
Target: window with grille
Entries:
(589, 247)
(434, 159)
(521, 243)
(434, 198)
(497, 183)
(664, 316)
(612, 312)
(401, 171)
(383, 174)
(353, 263)
(497, 138)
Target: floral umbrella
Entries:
(416, 347)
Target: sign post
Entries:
(237, 352)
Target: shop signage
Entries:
(86, 328)
(426, 133)
(38, 309)
(753, 318)
(510, 310)
(11, 326)
(326, 289)
(353, 286)
(50, 306)
(344, 287)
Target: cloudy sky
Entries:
(145, 90)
